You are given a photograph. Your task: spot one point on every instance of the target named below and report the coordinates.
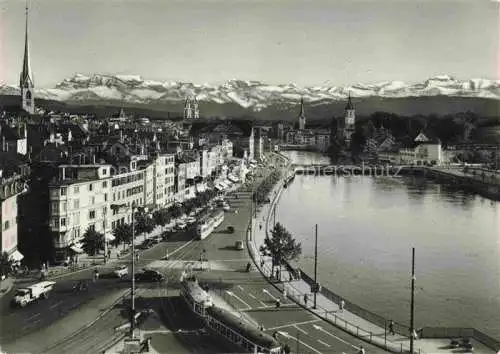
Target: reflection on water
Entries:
(367, 227)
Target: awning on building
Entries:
(76, 249)
(109, 237)
(16, 256)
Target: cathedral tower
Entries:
(196, 110)
(302, 116)
(350, 120)
(26, 83)
(188, 109)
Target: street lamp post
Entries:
(412, 314)
(132, 292)
(105, 240)
(315, 265)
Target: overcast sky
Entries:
(306, 42)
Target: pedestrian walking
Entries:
(261, 263)
(137, 256)
(306, 297)
(109, 254)
(391, 327)
(278, 303)
(284, 293)
(341, 305)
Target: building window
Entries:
(105, 183)
(63, 191)
(92, 227)
(76, 189)
(90, 187)
(76, 204)
(105, 197)
(6, 225)
(104, 172)
(92, 214)
(92, 200)
(63, 222)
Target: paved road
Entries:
(26, 326)
(252, 294)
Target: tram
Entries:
(223, 323)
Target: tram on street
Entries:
(224, 323)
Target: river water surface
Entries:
(367, 227)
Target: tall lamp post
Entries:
(315, 265)
(105, 239)
(412, 314)
(132, 285)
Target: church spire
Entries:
(302, 116)
(26, 78)
(349, 105)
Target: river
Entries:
(367, 227)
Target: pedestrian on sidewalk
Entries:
(391, 327)
(306, 297)
(278, 303)
(284, 293)
(137, 256)
(341, 305)
(261, 263)
(109, 254)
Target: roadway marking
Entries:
(240, 287)
(293, 324)
(252, 296)
(33, 317)
(319, 328)
(325, 344)
(263, 303)
(285, 334)
(300, 329)
(265, 291)
(238, 298)
(55, 305)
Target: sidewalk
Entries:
(329, 310)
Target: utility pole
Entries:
(105, 240)
(412, 314)
(315, 264)
(251, 218)
(298, 342)
(274, 215)
(132, 292)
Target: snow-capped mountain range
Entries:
(252, 95)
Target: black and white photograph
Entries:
(249, 176)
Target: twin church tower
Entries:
(345, 127)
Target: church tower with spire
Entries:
(26, 82)
(302, 116)
(196, 109)
(188, 109)
(350, 120)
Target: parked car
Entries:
(149, 275)
(120, 271)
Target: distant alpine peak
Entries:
(250, 94)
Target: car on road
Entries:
(239, 246)
(120, 271)
(148, 275)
